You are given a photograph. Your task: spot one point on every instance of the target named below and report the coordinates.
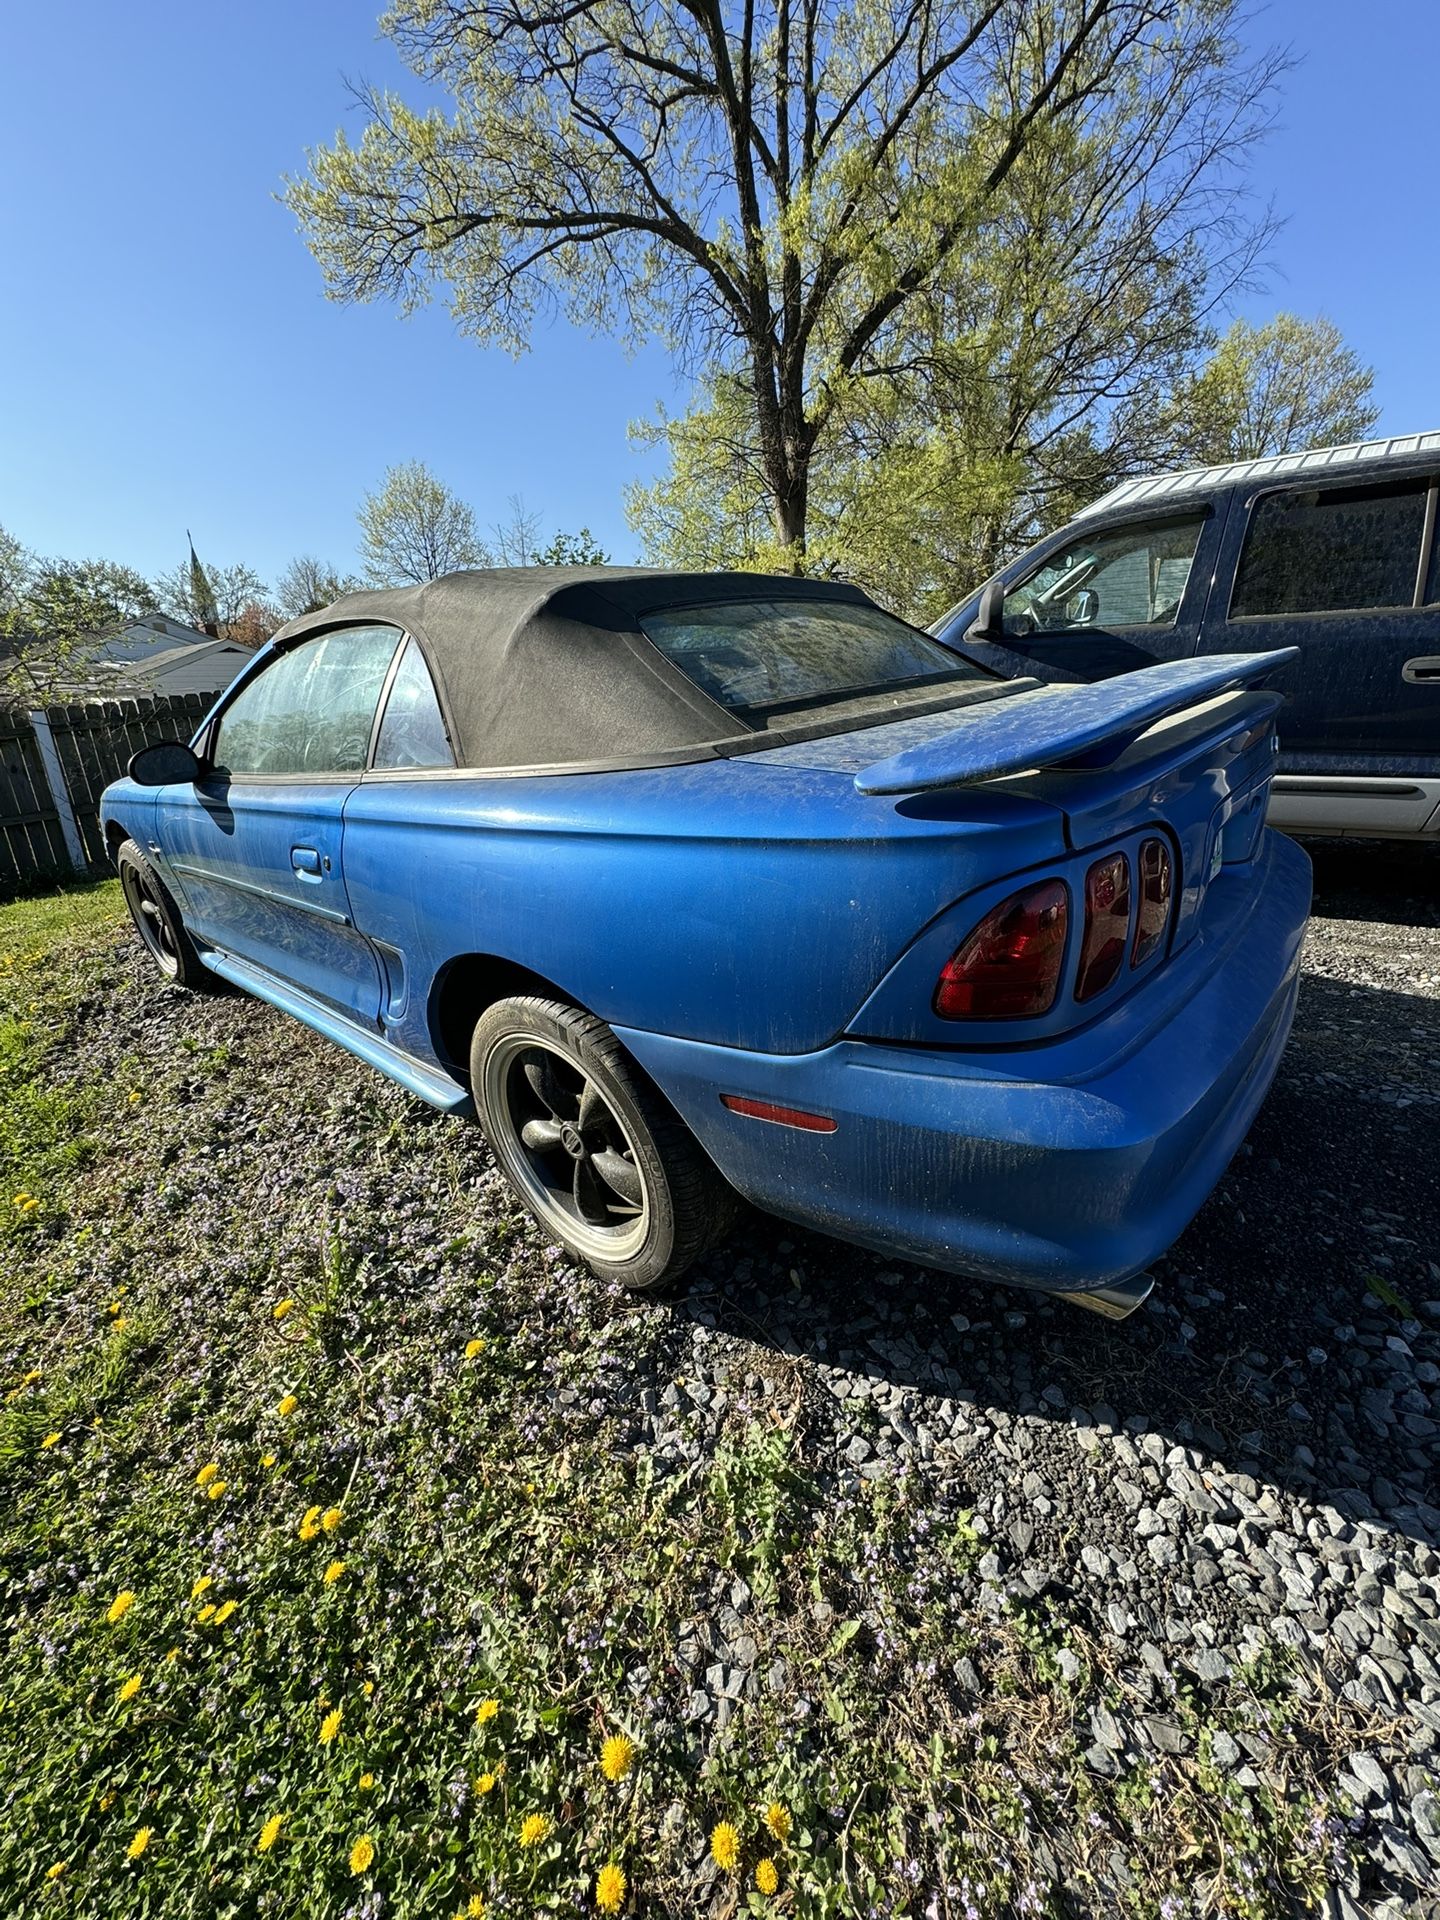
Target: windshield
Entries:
(759, 657)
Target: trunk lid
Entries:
(1186, 749)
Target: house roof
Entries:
(540, 666)
(1359, 455)
(166, 659)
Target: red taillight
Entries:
(1107, 925)
(1009, 968)
(1153, 911)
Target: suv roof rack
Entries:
(1162, 487)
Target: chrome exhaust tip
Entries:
(1116, 1302)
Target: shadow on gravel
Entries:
(1389, 881)
(1290, 1330)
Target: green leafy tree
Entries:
(573, 550)
(414, 529)
(769, 190)
(1279, 388)
(53, 613)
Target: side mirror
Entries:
(989, 622)
(168, 764)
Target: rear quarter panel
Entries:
(746, 906)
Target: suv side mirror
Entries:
(170, 763)
(989, 622)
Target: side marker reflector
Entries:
(780, 1116)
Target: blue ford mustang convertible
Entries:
(697, 885)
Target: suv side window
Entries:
(1331, 550)
(1131, 576)
(311, 709)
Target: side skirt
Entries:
(427, 1083)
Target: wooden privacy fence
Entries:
(55, 762)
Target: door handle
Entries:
(306, 861)
(1424, 668)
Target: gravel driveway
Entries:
(1252, 1459)
(1241, 1476)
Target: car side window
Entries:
(412, 730)
(312, 708)
(1331, 550)
(1131, 576)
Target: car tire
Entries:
(590, 1147)
(158, 922)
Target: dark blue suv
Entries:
(1333, 552)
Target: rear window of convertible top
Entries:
(761, 658)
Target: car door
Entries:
(1106, 600)
(1344, 571)
(255, 845)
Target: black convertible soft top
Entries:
(545, 666)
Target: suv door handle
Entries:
(1425, 667)
(305, 860)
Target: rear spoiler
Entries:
(1052, 726)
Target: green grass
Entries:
(467, 1407)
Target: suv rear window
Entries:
(1332, 550)
(760, 657)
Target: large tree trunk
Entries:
(791, 492)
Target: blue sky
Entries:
(170, 360)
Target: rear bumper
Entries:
(1065, 1165)
(1393, 807)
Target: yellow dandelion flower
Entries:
(267, 1459)
(777, 1819)
(310, 1524)
(173, 1654)
(282, 1307)
(617, 1756)
(120, 1325)
(287, 1406)
(725, 1846)
(474, 1908)
(472, 1347)
(26, 1202)
(362, 1854)
(131, 1687)
(134, 1096)
(486, 1782)
(269, 1833)
(107, 1800)
(21, 1197)
(767, 1876)
(486, 1711)
(138, 1845)
(215, 1489)
(610, 1888)
(534, 1829)
(113, 1308)
(207, 1473)
(331, 1519)
(333, 1572)
(207, 1612)
(368, 1688)
(54, 1873)
(50, 1440)
(223, 1612)
(330, 1725)
(367, 1781)
(31, 1377)
(120, 1606)
(202, 1585)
